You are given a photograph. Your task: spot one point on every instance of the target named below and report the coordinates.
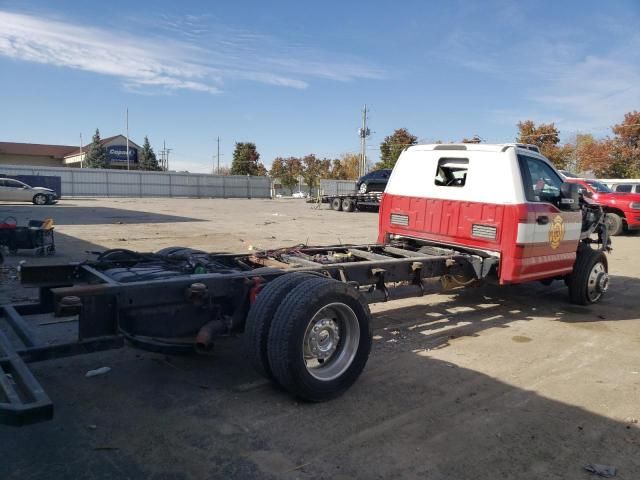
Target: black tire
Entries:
(258, 322)
(40, 199)
(614, 223)
(586, 283)
(348, 205)
(336, 204)
(292, 323)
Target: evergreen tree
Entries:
(148, 160)
(245, 160)
(97, 153)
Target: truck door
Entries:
(548, 245)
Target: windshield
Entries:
(599, 187)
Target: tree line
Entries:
(616, 155)
(290, 170)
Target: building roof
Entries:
(36, 149)
(54, 151)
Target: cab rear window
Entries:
(452, 172)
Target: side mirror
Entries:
(570, 196)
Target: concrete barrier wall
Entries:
(91, 182)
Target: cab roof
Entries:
(474, 147)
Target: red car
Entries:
(623, 209)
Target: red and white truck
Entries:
(465, 213)
(622, 209)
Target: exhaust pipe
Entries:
(208, 332)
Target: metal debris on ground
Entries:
(605, 471)
(98, 371)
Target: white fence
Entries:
(91, 182)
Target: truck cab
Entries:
(503, 201)
(622, 209)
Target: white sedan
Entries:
(16, 191)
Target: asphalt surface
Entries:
(482, 383)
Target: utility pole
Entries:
(81, 159)
(216, 170)
(127, 138)
(164, 156)
(363, 132)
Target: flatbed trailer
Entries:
(350, 202)
(303, 310)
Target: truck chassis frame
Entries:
(185, 312)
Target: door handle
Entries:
(542, 220)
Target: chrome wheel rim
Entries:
(40, 200)
(363, 188)
(331, 341)
(598, 282)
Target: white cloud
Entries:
(169, 64)
(581, 80)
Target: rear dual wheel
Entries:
(319, 336)
(343, 204)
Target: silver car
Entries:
(16, 191)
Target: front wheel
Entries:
(40, 199)
(589, 280)
(320, 339)
(364, 188)
(614, 224)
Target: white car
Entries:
(16, 191)
(299, 195)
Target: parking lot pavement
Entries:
(481, 383)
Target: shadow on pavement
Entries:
(409, 416)
(72, 214)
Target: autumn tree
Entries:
(546, 137)
(392, 147)
(96, 156)
(628, 132)
(626, 153)
(246, 160)
(346, 167)
(314, 169)
(617, 157)
(287, 170)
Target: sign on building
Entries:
(117, 154)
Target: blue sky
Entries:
(293, 76)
